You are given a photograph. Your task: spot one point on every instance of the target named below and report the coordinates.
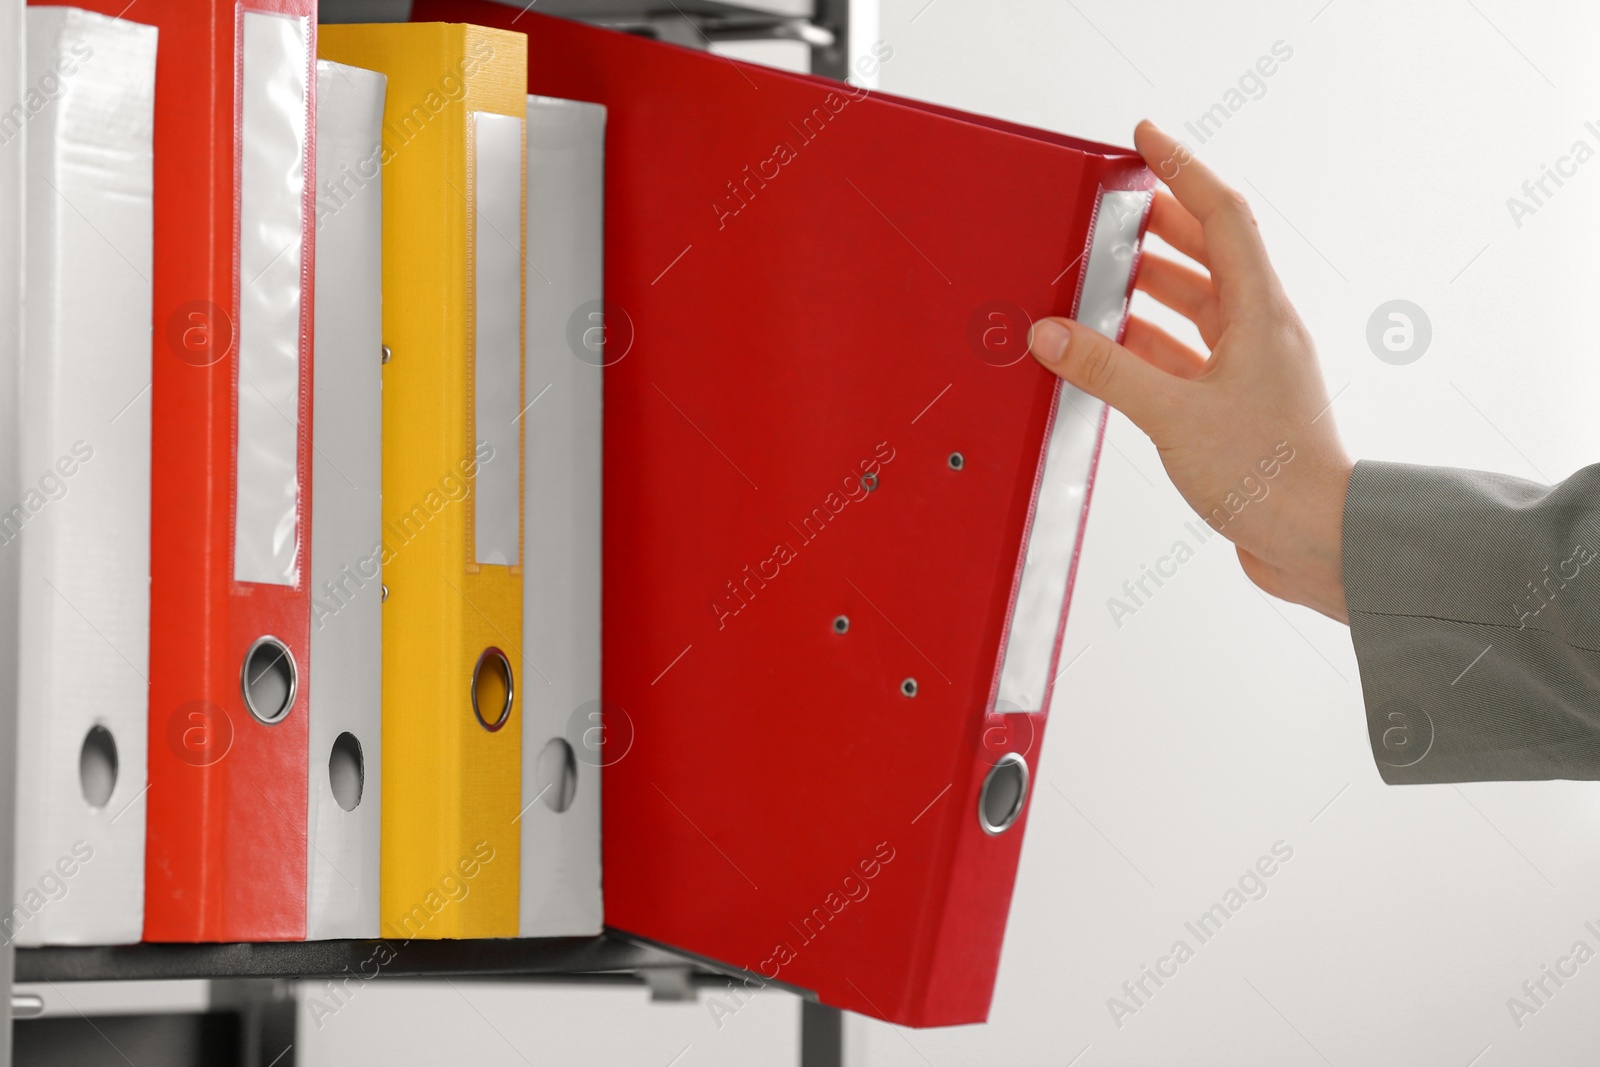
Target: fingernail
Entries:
(1049, 342)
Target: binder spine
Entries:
(83, 527)
(993, 790)
(12, 221)
(452, 641)
(257, 832)
(235, 95)
(345, 747)
(562, 759)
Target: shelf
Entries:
(607, 954)
(822, 25)
(593, 10)
(830, 29)
(610, 9)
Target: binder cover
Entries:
(841, 506)
(562, 755)
(346, 531)
(225, 851)
(83, 524)
(453, 178)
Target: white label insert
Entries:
(1053, 536)
(497, 332)
(272, 182)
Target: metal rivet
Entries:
(841, 624)
(957, 461)
(1005, 792)
(869, 481)
(496, 661)
(268, 674)
(386, 353)
(909, 687)
(383, 593)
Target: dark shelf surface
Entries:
(604, 10)
(553, 956)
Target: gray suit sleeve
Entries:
(1474, 606)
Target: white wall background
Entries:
(1214, 723)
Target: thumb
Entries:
(1105, 370)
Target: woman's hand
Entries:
(1246, 435)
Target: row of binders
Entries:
(313, 548)
(310, 603)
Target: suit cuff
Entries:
(1468, 671)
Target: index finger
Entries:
(1171, 221)
(1235, 254)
